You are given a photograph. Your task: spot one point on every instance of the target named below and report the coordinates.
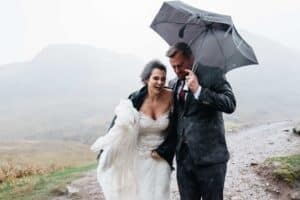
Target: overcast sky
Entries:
(27, 26)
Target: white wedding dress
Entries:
(126, 170)
(153, 175)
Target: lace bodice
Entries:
(152, 132)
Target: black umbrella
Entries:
(213, 38)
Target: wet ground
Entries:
(247, 147)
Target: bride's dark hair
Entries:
(149, 67)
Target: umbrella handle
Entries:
(185, 87)
(194, 69)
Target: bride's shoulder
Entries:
(168, 91)
(169, 94)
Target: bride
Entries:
(137, 152)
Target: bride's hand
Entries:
(155, 155)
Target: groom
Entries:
(201, 151)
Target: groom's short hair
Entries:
(182, 47)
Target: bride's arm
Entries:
(112, 123)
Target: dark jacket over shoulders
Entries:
(164, 150)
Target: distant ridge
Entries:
(69, 91)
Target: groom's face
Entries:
(180, 63)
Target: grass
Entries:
(31, 169)
(40, 187)
(23, 158)
(286, 168)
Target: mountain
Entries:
(268, 91)
(69, 91)
(65, 91)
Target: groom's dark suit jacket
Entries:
(199, 122)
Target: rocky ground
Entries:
(248, 148)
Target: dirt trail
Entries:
(247, 148)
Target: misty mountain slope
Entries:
(268, 91)
(69, 91)
(69, 70)
(65, 90)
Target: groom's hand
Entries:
(155, 155)
(192, 80)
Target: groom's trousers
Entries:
(196, 182)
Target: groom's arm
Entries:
(220, 97)
(215, 91)
(166, 150)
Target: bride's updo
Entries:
(149, 67)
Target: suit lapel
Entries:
(175, 86)
(189, 95)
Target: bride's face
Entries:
(156, 81)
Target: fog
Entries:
(65, 64)
(28, 26)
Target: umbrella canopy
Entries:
(213, 38)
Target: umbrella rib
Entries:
(197, 36)
(202, 42)
(168, 22)
(219, 45)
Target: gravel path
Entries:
(250, 147)
(247, 149)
